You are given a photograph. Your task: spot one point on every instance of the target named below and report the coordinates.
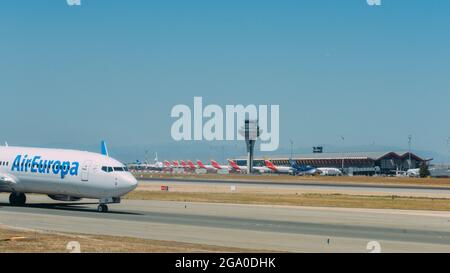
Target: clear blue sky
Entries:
(114, 69)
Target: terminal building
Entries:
(358, 163)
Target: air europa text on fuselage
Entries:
(36, 164)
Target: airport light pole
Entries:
(292, 148)
(343, 159)
(146, 157)
(409, 150)
(251, 132)
(448, 145)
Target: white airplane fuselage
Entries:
(57, 172)
(329, 171)
(255, 169)
(281, 170)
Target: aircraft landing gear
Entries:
(102, 208)
(17, 199)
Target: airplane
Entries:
(157, 165)
(138, 165)
(184, 165)
(329, 172)
(192, 165)
(278, 169)
(243, 169)
(301, 169)
(413, 173)
(308, 170)
(63, 175)
(167, 166)
(237, 168)
(220, 167)
(205, 167)
(188, 166)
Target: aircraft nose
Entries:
(132, 182)
(129, 183)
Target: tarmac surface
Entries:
(271, 228)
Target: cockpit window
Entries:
(107, 169)
(114, 169)
(120, 169)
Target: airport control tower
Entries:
(251, 132)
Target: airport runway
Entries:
(273, 228)
(319, 187)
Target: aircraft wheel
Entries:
(12, 199)
(17, 199)
(102, 208)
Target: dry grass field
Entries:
(314, 200)
(23, 241)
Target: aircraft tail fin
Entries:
(270, 165)
(192, 165)
(183, 164)
(104, 148)
(293, 163)
(215, 164)
(234, 165)
(200, 164)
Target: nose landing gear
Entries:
(17, 199)
(103, 208)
